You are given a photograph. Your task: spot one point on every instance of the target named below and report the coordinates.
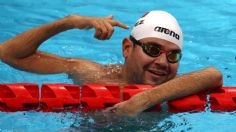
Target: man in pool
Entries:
(152, 55)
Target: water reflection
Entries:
(99, 121)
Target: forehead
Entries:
(164, 44)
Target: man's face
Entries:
(142, 68)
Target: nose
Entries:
(161, 61)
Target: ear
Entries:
(127, 47)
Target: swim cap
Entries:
(158, 24)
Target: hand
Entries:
(123, 109)
(135, 105)
(131, 107)
(104, 26)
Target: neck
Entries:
(114, 73)
(127, 75)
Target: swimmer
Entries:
(152, 56)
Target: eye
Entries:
(174, 56)
(152, 49)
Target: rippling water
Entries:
(209, 40)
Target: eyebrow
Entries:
(160, 46)
(151, 42)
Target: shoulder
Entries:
(85, 71)
(82, 65)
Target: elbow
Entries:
(216, 75)
(8, 55)
(1, 52)
(3, 57)
(7, 58)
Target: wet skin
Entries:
(142, 68)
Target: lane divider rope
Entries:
(90, 97)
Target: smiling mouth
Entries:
(157, 73)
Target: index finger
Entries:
(110, 109)
(119, 24)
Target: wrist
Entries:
(141, 101)
(69, 21)
(76, 21)
(150, 98)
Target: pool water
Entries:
(209, 40)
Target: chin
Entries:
(152, 82)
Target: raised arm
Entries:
(181, 86)
(21, 51)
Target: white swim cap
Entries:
(158, 24)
